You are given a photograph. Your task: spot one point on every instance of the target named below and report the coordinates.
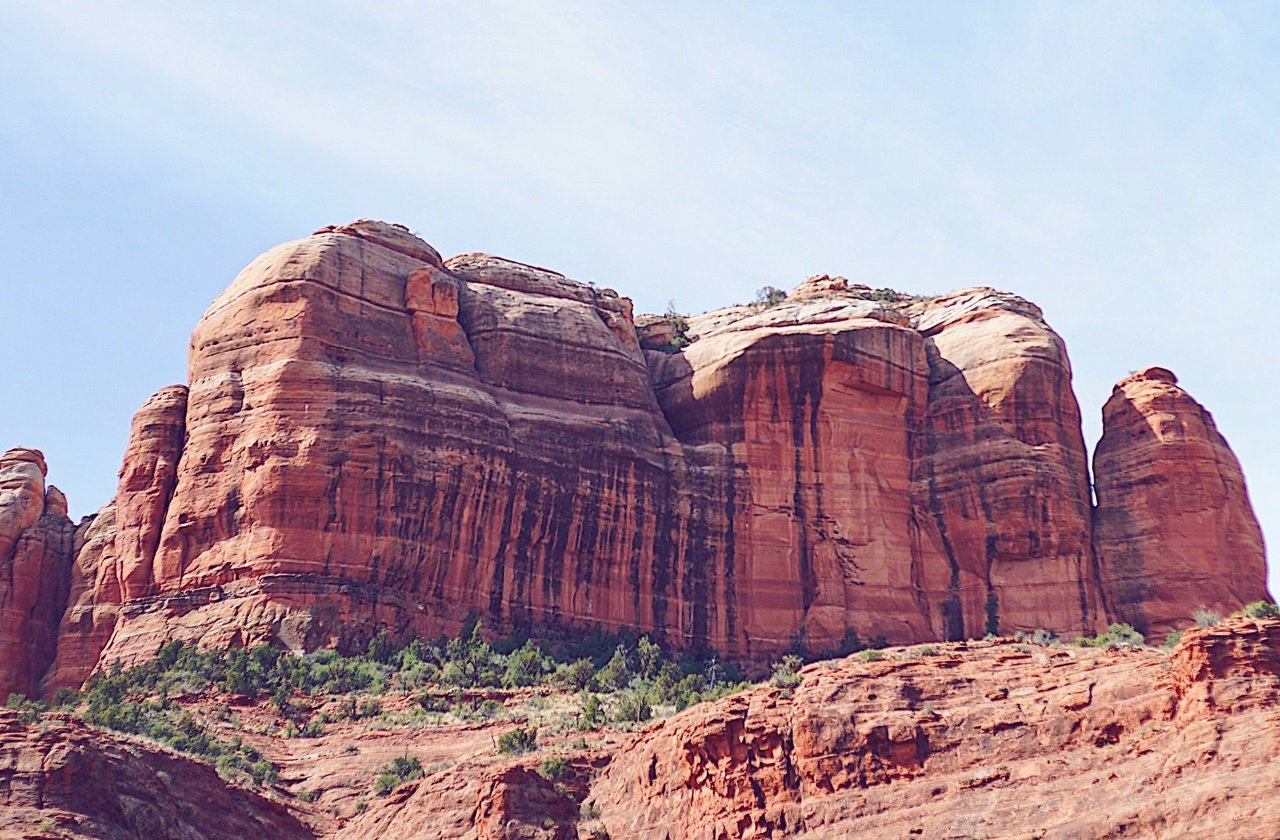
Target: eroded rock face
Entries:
(979, 740)
(86, 783)
(374, 436)
(35, 553)
(1174, 529)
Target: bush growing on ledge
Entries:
(1261, 609)
(769, 296)
(784, 672)
(680, 325)
(518, 741)
(1117, 635)
(396, 772)
(554, 768)
(1205, 617)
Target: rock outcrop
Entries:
(1174, 529)
(374, 436)
(964, 739)
(65, 779)
(980, 740)
(35, 552)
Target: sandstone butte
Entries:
(975, 739)
(372, 437)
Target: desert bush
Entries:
(1261, 609)
(1117, 635)
(518, 741)
(554, 767)
(784, 672)
(1205, 617)
(395, 773)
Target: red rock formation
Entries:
(1174, 527)
(1001, 474)
(115, 549)
(35, 552)
(980, 740)
(65, 779)
(374, 436)
(986, 739)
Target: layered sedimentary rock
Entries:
(65, 779)
(35, 551)
(980, 740)
(1174, 529)
(374, 436)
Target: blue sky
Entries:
(1117, 163)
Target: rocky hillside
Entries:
(979, 739)
(373, 437)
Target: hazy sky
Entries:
(1116, 162)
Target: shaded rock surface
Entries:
(373, 436)
(1174, 529)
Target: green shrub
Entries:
(554, 767)
(592, 716)
(851, 644)
(381, 648)
(395, 773)
(784, 672)
(1261, 609)
(871, 655)
(518, 741)
(633, 707)
(770, 296)
(1205, 617)
(576, 675)
(1117, 635)
(616, 673)
(527, 666)
(1171, 641)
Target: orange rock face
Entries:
(373, 436)
(1174, 529)
(35, 551)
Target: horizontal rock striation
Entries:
(373, 436)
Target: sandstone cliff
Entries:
(373, 436)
